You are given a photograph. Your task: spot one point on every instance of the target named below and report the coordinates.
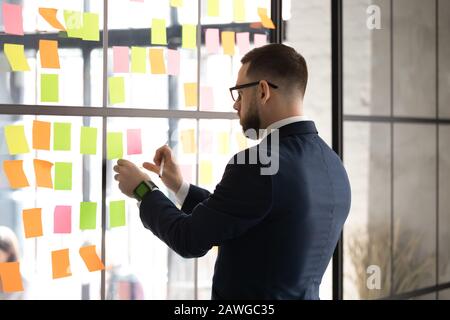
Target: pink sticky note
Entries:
(206, 142)
(63, 219)
(186, 172)
(243, 42)
(173, 64)
(206, 98)
(212, 40)
(121, 59)
(12, 18)
(134, 143)
(260, 40)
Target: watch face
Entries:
(142, 189)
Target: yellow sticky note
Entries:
(241, 141)
(213, 8)
(10, 277)
(61, 264)
(114, 146)
(224, 143)
(43, 173)
(265, 20)
(190, 94)
(14, 173)
(206, 173)
(41, 135)
(16, 140)
(32, 222)
(159, 35)
(90, 27)
(116, 90)
(228, 42)
(187, 138)
(91, 259)
(74, 23)
(239, 10)
(189, 36)
(157, 65)
(138, 60)
(16, 57)
(176, 3)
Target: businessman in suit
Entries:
(276, 232)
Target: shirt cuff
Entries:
(182, 193)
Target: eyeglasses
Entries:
(236, 95)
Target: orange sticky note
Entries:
(48, 50)
(265, 20)
(32, 222)
(91, 259)
(49, 14)
(228, 42)
(61, 264)
(15, 174)
(190, 94)
(41, 135)
(10, 278)
(157, 61)
(43, 173)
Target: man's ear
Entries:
(264, 91)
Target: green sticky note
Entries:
(49, 88)
(88, 140)
(61, 136)
(189, 35)
(74, 23)
(114, 145)
(88, 215)
(16, 140)
(213, 8)
(159, 35)
(116, 90)
(63, 176)
(117, 213)
(90, 27)
(138, 60)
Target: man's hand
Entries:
(129, 176)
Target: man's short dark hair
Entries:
(274, 62)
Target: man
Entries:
(276, 232)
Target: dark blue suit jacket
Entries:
(276, 233)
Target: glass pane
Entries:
(59, 71)
(414, 207)
(444, 295)
(57, 185)
(444, 204)
(428, 296)
(367, 232)
(444, 63)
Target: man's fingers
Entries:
(123, 162)
(151, 167)
(116, 168)
(162, 152)
(116, 177)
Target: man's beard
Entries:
(252, 121)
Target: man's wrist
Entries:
(143, 188)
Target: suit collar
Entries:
(299, 127)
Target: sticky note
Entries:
(206, 142)
(62, 136)
(114, 145)
(239, 10)
(49, 14)
(213, 8)
(74, 23)
(176, 3)
(16, 140)
(206, 172)
(121, 59)
(48, 50)
(157, 65)
(41, 135)
(62, 219)
(224, 142)
(16, 57)
(12, 19)
(243, 42)
(61, 264)
(63, 176)
(43, 173)
(228, 42)
(32, 222)
(14, 173)
(190, 94)
(49, 88)
(138, 60)
(260, 40)
(173, 64)
(88, 140)
(189, 36)
(117, 213)
(88, 215)
(91, 259)
(206, 98)
(265, 20)
(187, 138)
(116, 88)
(186, 172)
(134, 143)
(158, 34)
(241, 141)
(212, 40)
(10, 277)
(90, 26)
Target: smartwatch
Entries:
(143, 188)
